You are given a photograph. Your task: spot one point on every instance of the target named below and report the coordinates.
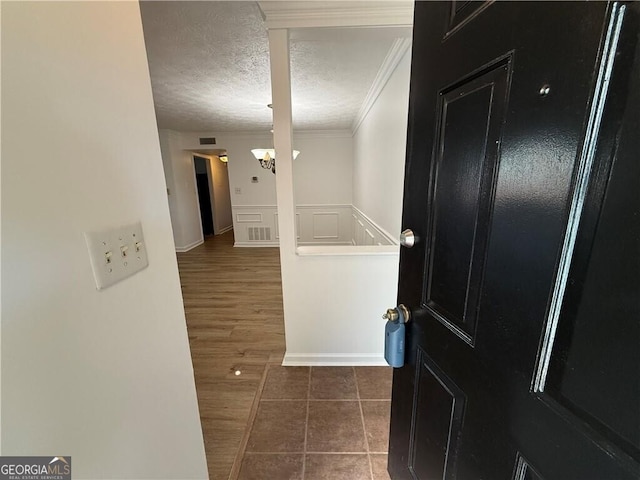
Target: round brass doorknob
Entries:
(400, 313)
(391, 315)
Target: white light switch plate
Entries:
(116, 253)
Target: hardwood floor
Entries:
(233, 304)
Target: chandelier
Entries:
(267, 157)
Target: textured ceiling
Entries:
(332, 71)
(209, 64)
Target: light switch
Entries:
(109, 268)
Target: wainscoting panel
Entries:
(369, 238)
(275, 219)
(249, 217)
(366, 232)
(257, 226)
(325, 225)
(359, 237)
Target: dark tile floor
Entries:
(320, 423)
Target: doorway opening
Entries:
(205, 195)
(212, 189)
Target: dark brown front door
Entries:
(522, 180)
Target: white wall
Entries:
(242, 164)
(379, 153)
(183, 193)
(323, 172)
(323, 183)
(219, 188)
(167, 141)
(102, 376)
(334, 298)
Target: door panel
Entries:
(438, 417)
(463, 184)
(600, 300)
(523, 285)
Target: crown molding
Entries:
(396, 52)
(305, 14)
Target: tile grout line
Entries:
(306, 428)
(253, 413)
(364, 426)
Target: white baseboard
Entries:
(190, 246)
(256, 244)
(225, 230)
(333, 359)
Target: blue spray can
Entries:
(394, 344)
(394, 335)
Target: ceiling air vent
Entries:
(207, 140)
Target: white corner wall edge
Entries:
(191, 246)
(333, 360)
